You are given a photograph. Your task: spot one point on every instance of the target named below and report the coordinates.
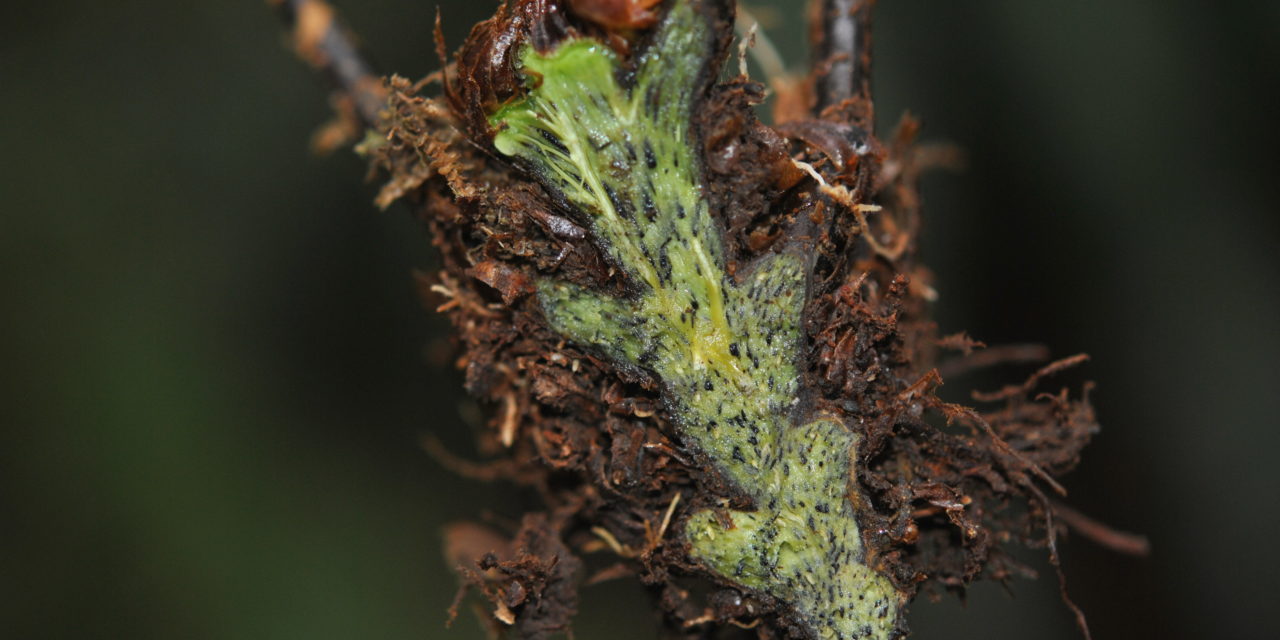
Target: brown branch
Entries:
(1119, 541)
(483, 471)
(323, 42)
(1011, 391)
(992, 356)
(1051, 533)
(841, 35)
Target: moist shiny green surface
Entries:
(724, 348)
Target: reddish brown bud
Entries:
(617, 14)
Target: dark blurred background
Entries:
(216, 371)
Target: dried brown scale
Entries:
(597, 441)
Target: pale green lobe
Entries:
(724, 348)
(803, 545)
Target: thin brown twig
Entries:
(953, 411)
(1056, 561)
(483, 471)
(1026, 387)
(1119, 541)
(992, 356)
(323, 42)
(842, 51)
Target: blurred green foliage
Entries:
(216, 370)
